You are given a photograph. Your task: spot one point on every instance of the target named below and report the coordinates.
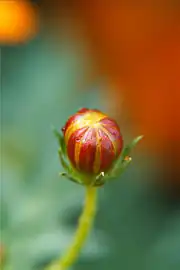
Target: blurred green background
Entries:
(136, 227)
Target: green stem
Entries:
(85, 224)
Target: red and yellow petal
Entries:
(74, 142)
(93, 141)
(88, 152)
(83, 118)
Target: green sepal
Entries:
(69, 177)
(118, 169)
(70, 173)
(64, 162)
(124, 160)
(127, 150)
(61, 141)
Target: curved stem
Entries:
(85, 223)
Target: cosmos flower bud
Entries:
(93, 141)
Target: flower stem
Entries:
(85, 224)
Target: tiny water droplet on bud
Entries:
(127, 158)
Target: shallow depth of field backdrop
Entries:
(123, 58)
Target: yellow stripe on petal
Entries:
(97, 161)
(90, 119)
(70, 130)
(78, 146)
(110, 137)
(77, 153)
(93, 118)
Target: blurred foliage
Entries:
(135, 228)
(36, 90)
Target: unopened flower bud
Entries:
(93, 141)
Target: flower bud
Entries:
(93, 141)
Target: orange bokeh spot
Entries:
(18, 21)
(137, 46)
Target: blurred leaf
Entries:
(36, 91)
